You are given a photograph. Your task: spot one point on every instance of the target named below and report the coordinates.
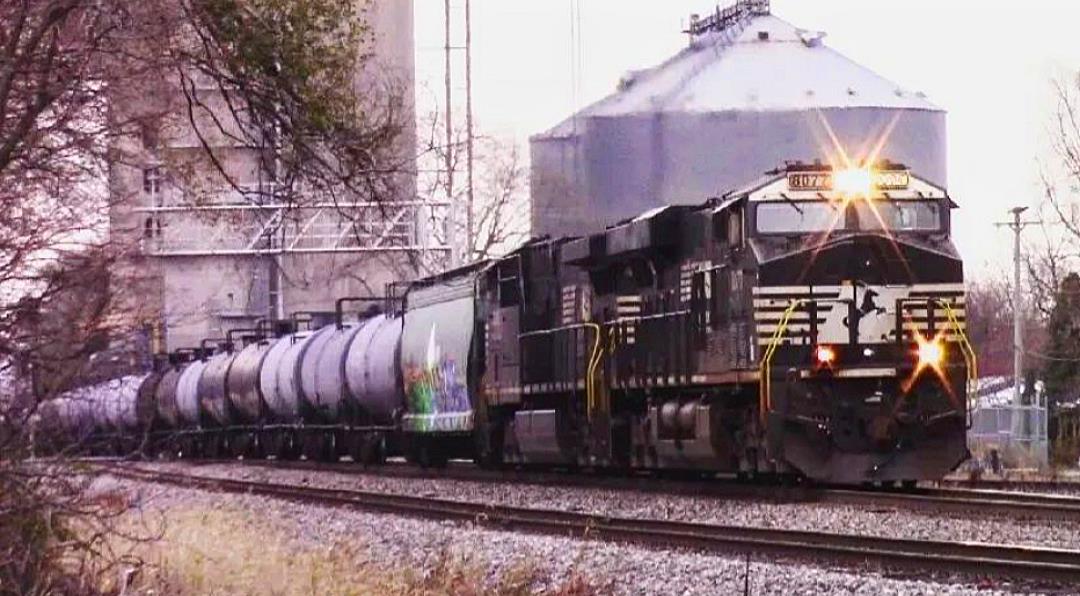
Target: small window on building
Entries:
(148, 133)
(152, 178)
(152, 228)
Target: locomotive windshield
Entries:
(798, 217)
(802, 217)
(900, 216)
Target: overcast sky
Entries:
(988, 64)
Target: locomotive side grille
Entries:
(575, 304)
(627, 309)
(686, 278)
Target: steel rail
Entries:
(984, 560)
(982, 503)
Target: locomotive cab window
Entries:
(806, 217)
(899, 216)
(790, 217)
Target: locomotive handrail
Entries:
(594, 358)
(970, 358)
(765, 397)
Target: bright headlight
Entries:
(931, 353)
(825, 355)
(854, 181)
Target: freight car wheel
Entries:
(189, 447)
(273, 444)
(355, 445)
(240, 445)
(317, 446)
(371, 452)
(291, 447)
(213, 446)
(429, 455)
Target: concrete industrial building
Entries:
(206, 258)
(749, 93)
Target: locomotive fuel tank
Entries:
(187, 394)
(244, 381)
(372, 377)
(213, 390)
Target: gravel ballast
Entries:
(421, 544)
(821, 517)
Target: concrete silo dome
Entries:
(737, 102)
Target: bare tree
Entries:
(500, 209)
(85, 85)
(988, 312)
(1056, 251)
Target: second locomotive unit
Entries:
(810, 324)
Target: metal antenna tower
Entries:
(461, 248)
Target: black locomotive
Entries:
(810, 324)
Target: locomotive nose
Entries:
(871, 259)
(865, 420)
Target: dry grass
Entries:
(223, 551)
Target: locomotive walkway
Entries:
(974, 559)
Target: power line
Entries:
(1049, 358)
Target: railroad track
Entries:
(982, 560)
(983, 503)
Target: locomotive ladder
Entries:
(765, 389)
(970, 358)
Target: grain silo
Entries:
(749, 92)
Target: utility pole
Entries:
(470, 239)
(1017, 226)
(459, 233)
(1018, 306)
(452, 240)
